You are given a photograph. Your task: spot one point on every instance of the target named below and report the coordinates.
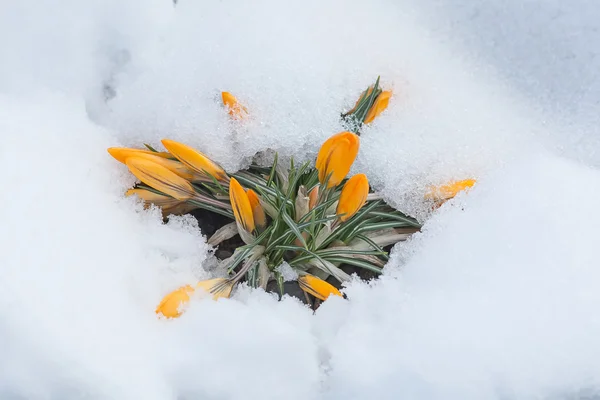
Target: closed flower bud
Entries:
(235, 109)
(260, 219)
(379, 106)
(242, 209)
(171, 304)
(317, 287)
(449, 190)
(336, 157)
(353, 196)
(194, 160)
(160, 178)
(122, 153)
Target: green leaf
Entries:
(245, 252)
(212, 208)
(292, 224)
(397, 215)
(356, 262)
(150, 148)
(272, 173)
(344, 232)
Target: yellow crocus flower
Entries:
(317, 287)
(336, 157)
(194, 159)
(242, 209)
(353, 197)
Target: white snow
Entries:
(496, 299)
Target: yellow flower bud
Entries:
(380, 104)
(242, 209)
(353, 197)
(336, 157)
(258, 213)
(236, 110)
(160, 178)
(449, 190)
(194, 159)
(172, 165)
(317, 287)
(170, 306)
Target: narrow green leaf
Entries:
(292, 224)
(356, 262)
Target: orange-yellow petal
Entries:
(336, 157)
(353, 197)
(218, 287)
(170, 306)
(160, 178)
(260, 219)
(380, 104)
(172, 165)
(122, 153)
(236, 110)
(242, 209)
(449, 190)
(159, 200)
(193, 159)
(317, 287)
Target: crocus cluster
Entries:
(312, 216)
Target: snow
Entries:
(495, 299)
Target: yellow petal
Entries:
(170, 306)
(154, 198)
(260, 219)
(336, 157)
(379, 106)
(122, 153)
(242, 209)
(353, 197)
(172, 165)
(160, 178)
(236, 110)
(449, 190)
(194, 159)
(317, 287)
(218, 287)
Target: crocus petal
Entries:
(378, 106)
(317, 287)
(242, 209)
(218, 287)
(353, 197)
(260, 219)
(336, 157)
(122, 153)
(160, 178)
(236, 110)
(170, 306)
(194, 159)
(159, 200)
(172, 165)
(449, 190)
